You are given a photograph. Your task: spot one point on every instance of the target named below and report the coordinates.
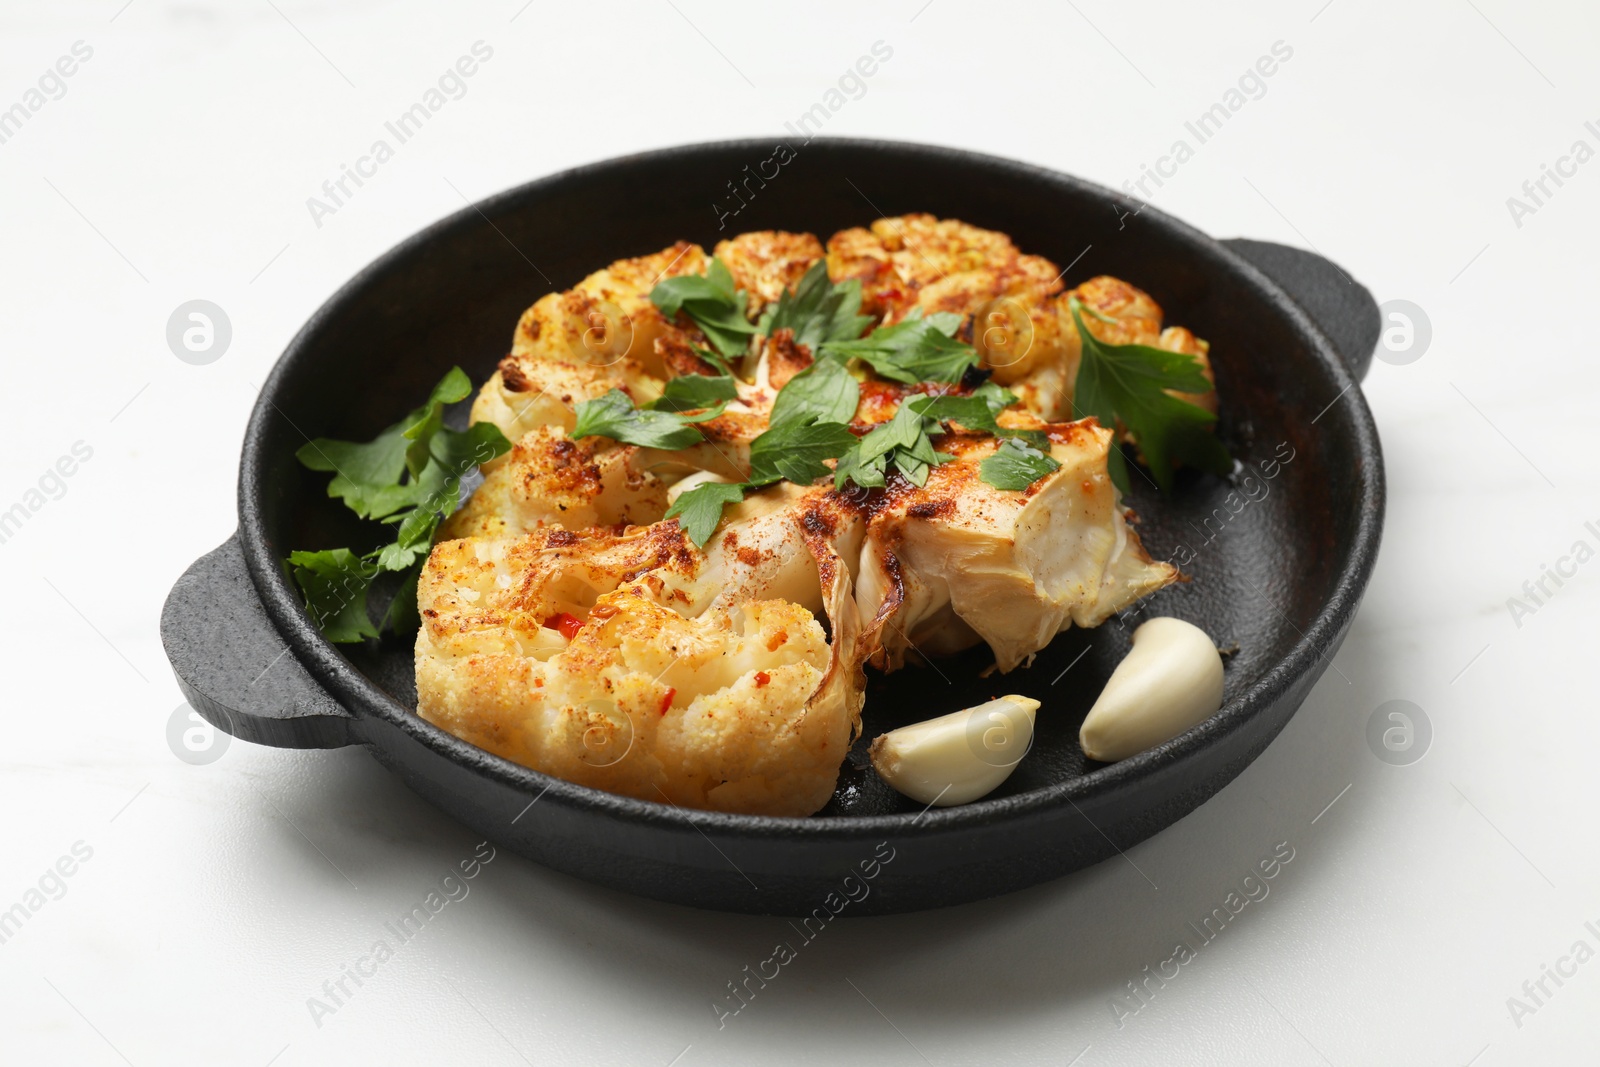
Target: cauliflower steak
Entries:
(567, 625)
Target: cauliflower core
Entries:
(958, 561)
(567, 627)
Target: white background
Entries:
(219, 898)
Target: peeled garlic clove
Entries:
(957, 758)
(1171, 680)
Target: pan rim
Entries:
(363, 699)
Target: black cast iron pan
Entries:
(1279, 553)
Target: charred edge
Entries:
(511, 375)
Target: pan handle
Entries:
(1339, 305)
(233, 666)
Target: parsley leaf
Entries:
(806, 426)
(817, 310)
(408, 476)
(698, 510)
(902, 443)
(457, 452)
(691, 392)
(1127, 385)
(613, 415)
(905, 444)
(788, 451)
(454, 386)
(367, 474)
(1016, 465)
(916, 349)
(713, 358)
(823, 392)
(712, 303)
(979, 411)
(401, 616)
(794, 451)
(867, 472)
(335, 583)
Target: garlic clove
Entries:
(1168, 682)
(957, 758)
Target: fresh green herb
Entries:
(794, 451)
(979, 411)
(807, 431)
(817, 310)
(437, 489)
(713, 287)
(691, 392)
(806, 427)
(1127, 385)
(714, 358)
(368, 475)
(401, 616)
(905, 444)
(712, 303)
(335, 583)
(614, 415)
(916, 349)
(916, 460)
(790, 450)
(901, 444)
(408, 476)
(823, 392)
(698, 510)
(808, 424)
(1016, 465)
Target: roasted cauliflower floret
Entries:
(925, 249)
(858, 253)
(639, 665)
(898, 257)
(606, 323)
(917, 261)
(528, 394)
(766, 262)
(781, 359)
(1178, 339)
(712, 712)
(1017, 317)
(1013, 323)
(550, 480)
(606, 334)
(607, 319)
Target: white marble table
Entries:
(205, 905)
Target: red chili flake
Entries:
(567, 625)
(762, 678)
(666, 701)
